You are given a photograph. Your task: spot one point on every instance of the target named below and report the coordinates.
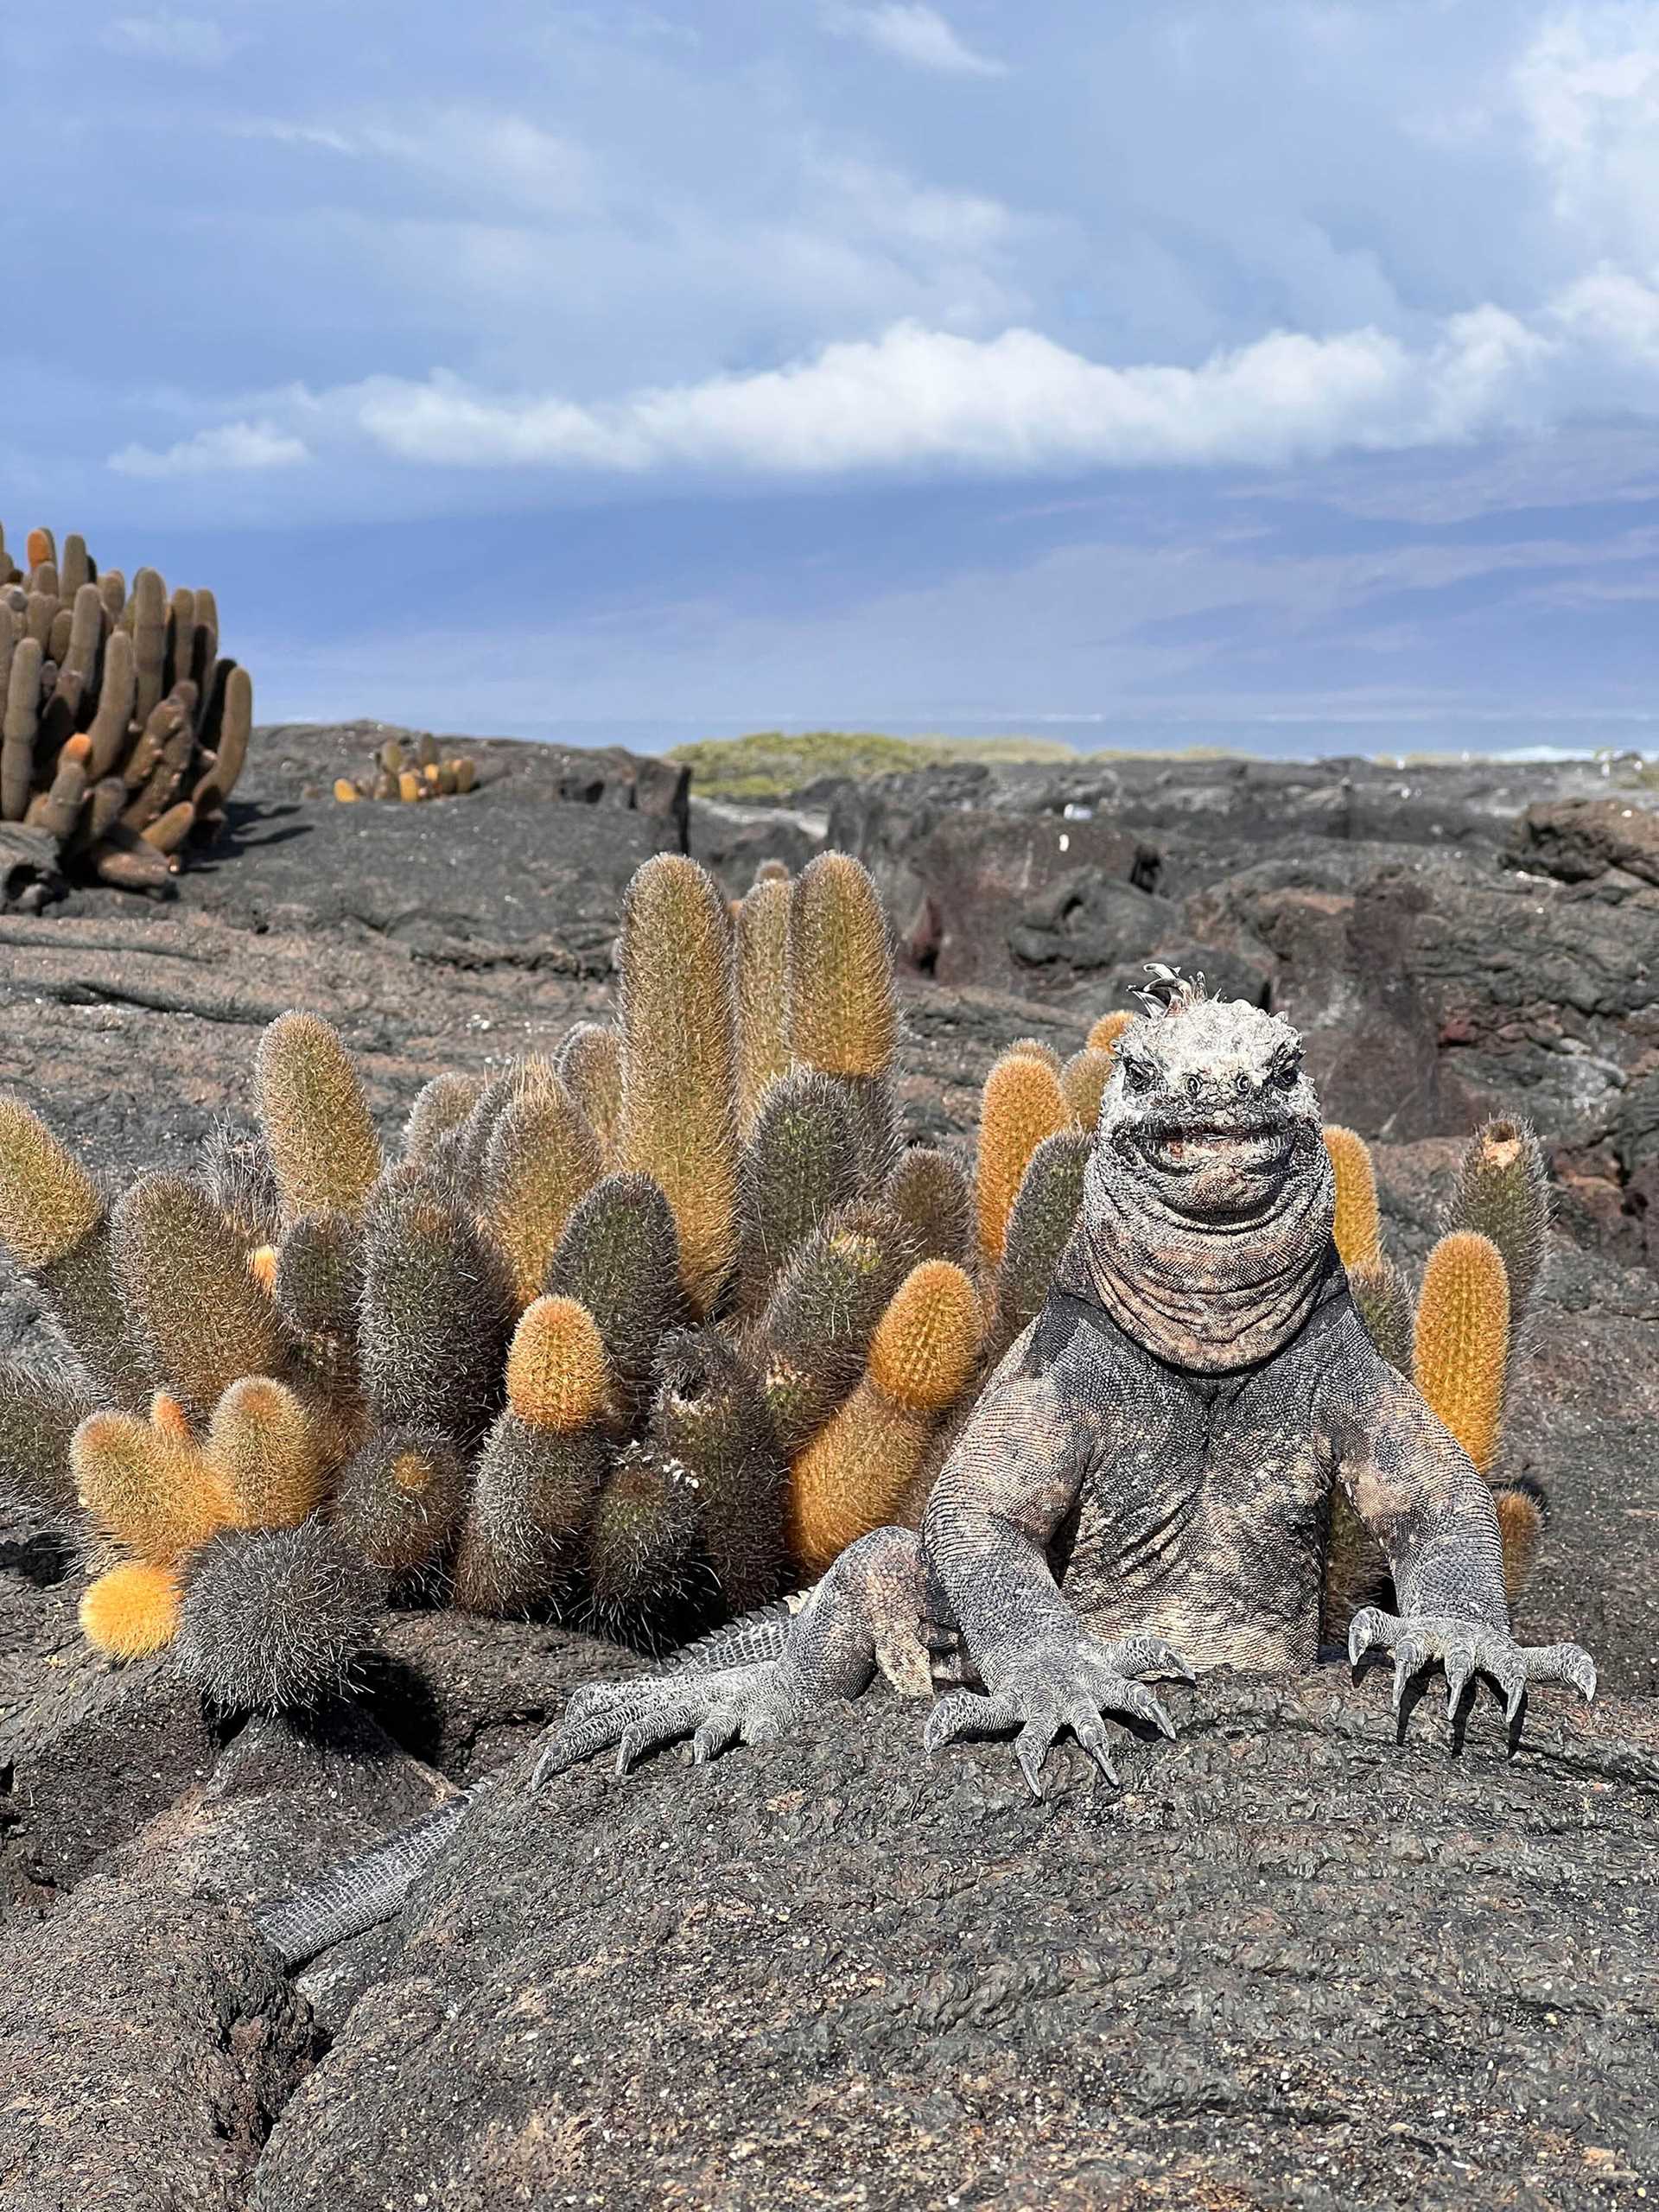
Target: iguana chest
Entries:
(1202, 1516)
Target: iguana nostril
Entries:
(1194, 1085)
(1241, 1082)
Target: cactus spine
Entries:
(1502, 1192)
(817, 1328)
(1022, 1103)
(762, 994)
(542, 1465)
(854, 1475)
(542, 1160)
(1462, 1342)
(131, 1610)
(152, 1491)
(708, 1415)
(679, 1060)
(933, 1198)
(1040, 1228)
(316, 1121)
(843, 1009)
(641, 1551)
(801, 1161)
(590, 1062)
(438, 1314)
(620, 1258)
(1382, 1298)
(1358, 1225)
(196, 1308)
(265, 1452)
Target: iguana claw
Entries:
(1073, 1688)
(1466, 1648)
(754, 1704)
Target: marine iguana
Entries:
(1143, 1488)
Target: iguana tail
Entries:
(366, 1890)
(370, 1888)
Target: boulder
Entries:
(147, 2041)
(1291, 1961)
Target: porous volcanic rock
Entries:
(1290, 1962)
(147, 2041)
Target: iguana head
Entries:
(1205, 1228)
(1209, 1110)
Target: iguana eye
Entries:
(1287, 1072)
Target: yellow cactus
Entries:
(1022, 1103)
(1105, 1036)
(543, 1158)
(854, 1475)
(843, 1013)
(924, 1345)
(131, 1611)
(1462, 1341)
(48, 1201)
(1034, 1049)
(557, 1375)
(262, 1266)
(155, 1493)
(168, 1415)
(763, 1047)
(679, 1102)
(1083, 1079)
(1521, 1525)
(1358, 1225)
(316, 1120)
(264, 1448)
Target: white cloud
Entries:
(229, 447)
(194, 39)
(918, 398)
(913, 32)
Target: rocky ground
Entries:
(1290, 1962)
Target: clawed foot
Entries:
(751, 1705)
(1466, 1650)
(1070, 1684)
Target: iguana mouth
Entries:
(1254, 1148)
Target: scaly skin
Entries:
(1144, 1487)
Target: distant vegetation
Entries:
(771, 764)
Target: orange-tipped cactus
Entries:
(1522, 1513)
(843, 1013)
(852, 1477)
(153, 1493)
(543, 1158)
(1104, 1037)
(315, 1118)
(1022, 1103)
(1358, 1225)
(263, 1447)
(131, 1611)
(1462, 1344)
(679, 1100)
(558, 1375)
(1083, 1079)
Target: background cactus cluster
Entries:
(640, 1335)
(1457, 1338)
(123, 729)
(395, 774)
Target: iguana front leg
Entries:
(1415, 1488)
(754, 1680)
(1011, 1482)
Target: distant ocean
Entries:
(1266, 737)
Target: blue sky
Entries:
(1180, 369)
